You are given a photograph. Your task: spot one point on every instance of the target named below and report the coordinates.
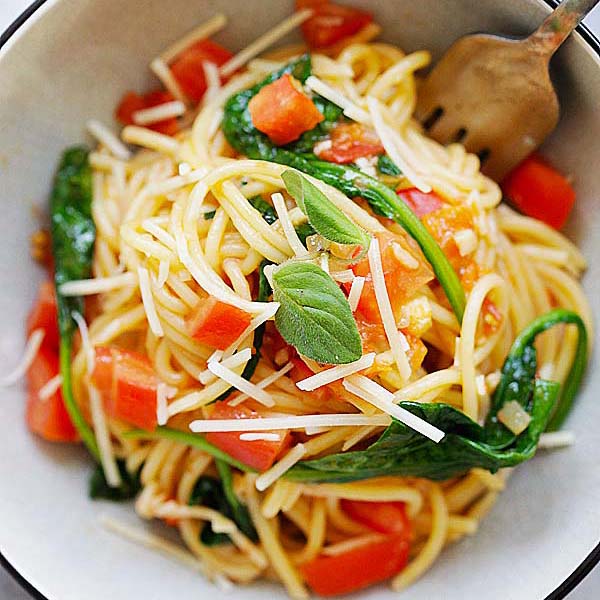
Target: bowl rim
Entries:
(566, 587)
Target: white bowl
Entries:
(69, 60)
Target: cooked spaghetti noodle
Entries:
(175, 225)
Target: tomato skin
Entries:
(401, 281)
(358, 568)
(188, 70)
(258, 454)
(283, 111)
(331, 23)
(538, 190)
(420, 203)
(44, 315)
(350, 141)
(132, 102)
(47, 418)
(217, 324)
(128, 383)
(383, 517)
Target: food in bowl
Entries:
(309, 339)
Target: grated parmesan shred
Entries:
(241, 384)
(264, 383)
(32, 347)
(108, 139)
(334, 373)
(161, 112)
(270, 476)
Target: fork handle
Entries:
(558, 25)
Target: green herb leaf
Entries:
(264, 208)
(314, 315)
(73, 236)
(386, 166)
(324, 216)
(100, 489)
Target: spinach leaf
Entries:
(73, 236)
(100, 489)
(404, 452)
(219, 495)
(325, 218)
(314, 315)
(263, 207)
(245, 138)
(210, 215)
(386, 166)
(189, 439)
(304, 230)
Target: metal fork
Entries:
(494, 94)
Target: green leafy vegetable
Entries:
(219, 495)
(100, 489)
(210, 215)
(263, 207)
(189, 439)
(73, 237)
(304, 230)
(404, 452)
(325, 218)
(386, 166)
(245, 138)
(314, 315)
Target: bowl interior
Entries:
(71, 62)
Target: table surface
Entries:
(589, 589)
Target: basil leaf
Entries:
(314, 315)
(325, 217)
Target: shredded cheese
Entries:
(351, 110)
(148, 302)
(396, 339)
(264, 383)
(260, 437)
(32, 347)
(264, 41)
(269, 477)
(556, 439)
(108, 139)
(203, 31)
(50, 388)
(334, 373)
(147, 138)
(99, 285)
(163, 393)
(160, 68)
(358, 283)
(383, 399)
(404, 257)
(241, 384)
(288, 422)
(231, 362)
(268, 313)
(287, 226)
(161, 112)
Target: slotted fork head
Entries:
(492, 94)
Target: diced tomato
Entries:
(384, 517)
(259, 454)
(401, 281)
(443, 224)
(47, 417)
(188, 68)
(331, 23)
(492, 317)
(358, 568)
(128, 383)
(217, 324)
(283, 111)
(132, 102)
(420, 203)
(350, 141)
(44, 315)
(538, 190)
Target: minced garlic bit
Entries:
(514, 416)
